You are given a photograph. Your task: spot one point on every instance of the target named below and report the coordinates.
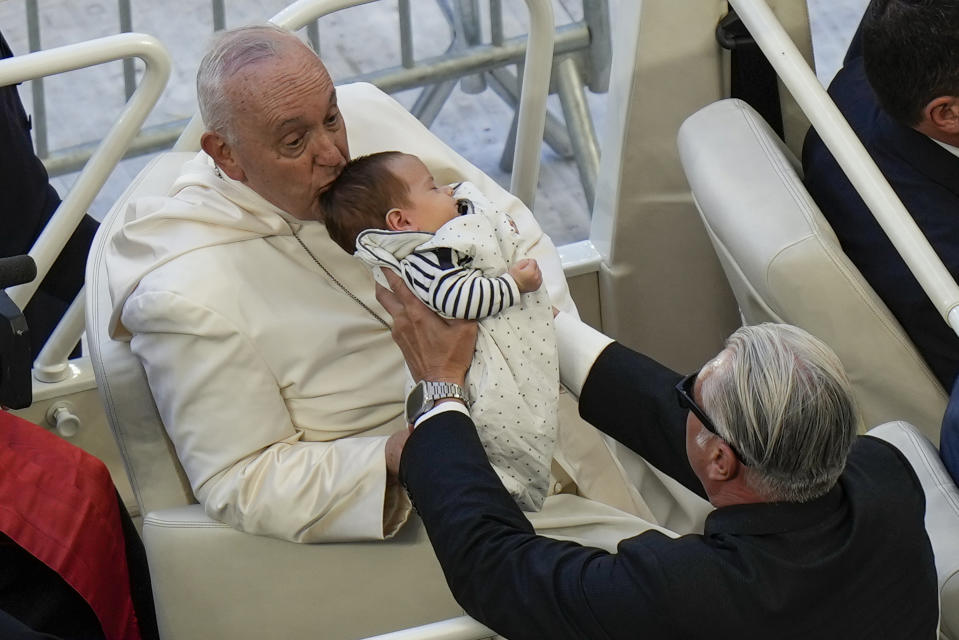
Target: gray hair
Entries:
(784, 401)
(230, 52)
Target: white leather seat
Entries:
(942, 514)
(784, 262)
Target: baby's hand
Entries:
(527, 275)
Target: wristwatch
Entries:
(424, 395)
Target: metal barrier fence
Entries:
(582, 55)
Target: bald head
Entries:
(232, 52)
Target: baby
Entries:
(458, 254)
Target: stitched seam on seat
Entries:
(181, 524)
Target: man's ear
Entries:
(942, 114)
(398, 220)
(217, 147)
(723, 464)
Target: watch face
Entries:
(414, 402)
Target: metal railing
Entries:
(103, 159)
(582, 50)
(535, 53)
(855, 161)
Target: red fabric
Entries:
(59, 503)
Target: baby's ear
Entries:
(397, 220)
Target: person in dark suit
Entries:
(899, 90)
(816, 533)
(28, 202)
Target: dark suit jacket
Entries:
(926, 178)
(855, 563)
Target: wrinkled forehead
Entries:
(293, 79)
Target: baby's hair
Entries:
(361, 196)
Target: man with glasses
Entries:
(816, 532)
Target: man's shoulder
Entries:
(881, 469)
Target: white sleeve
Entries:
(578, 345)
(458, 292)
(245, 460)
(377, 122)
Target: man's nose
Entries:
(326, 152)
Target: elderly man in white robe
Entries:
(269, 357)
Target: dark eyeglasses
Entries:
(684, 395)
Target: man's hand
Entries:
(527, 275)
(435, 348)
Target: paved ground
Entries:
(83, 104)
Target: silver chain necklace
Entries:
(337, 282)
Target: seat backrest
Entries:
(942, 514)
(784, 262)
(155, 473)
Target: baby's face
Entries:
(430, 206)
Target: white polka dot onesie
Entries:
(513, 381)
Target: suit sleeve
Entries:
(520, 584)
(245, 460)
(627, 396)
(631, 398)
(457, 291)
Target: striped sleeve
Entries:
(457, 291)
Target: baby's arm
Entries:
(456, 291)
(527, 275)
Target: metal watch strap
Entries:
(443, 390)
(422, 397)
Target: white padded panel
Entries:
(785, 264)
(942, 514)
(212, 581)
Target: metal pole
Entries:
(532, 101)
(579, 123)
(504, 83)
(313, 35)
(496, 22)
(39, 119)
(406, 34)
(52, 363)
(126, 26)
(467, 25)
(219, 15)
(431, 100)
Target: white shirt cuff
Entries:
(579, 345)
(442, 406)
